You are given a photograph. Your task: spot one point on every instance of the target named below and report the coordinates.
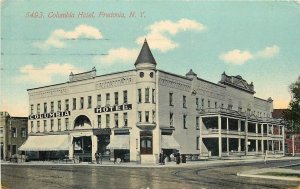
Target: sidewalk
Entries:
(134, 164)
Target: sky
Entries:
(43, 41)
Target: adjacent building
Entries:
(13, 133)
(137, 114)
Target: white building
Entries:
(136, 113)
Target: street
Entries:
(194, 176)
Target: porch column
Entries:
(94, 146)
(220, 135)
(246, 137)
(200, 135)
(239, 139)
(227, 142)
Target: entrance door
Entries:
(146, 142)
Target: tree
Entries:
(292, 114)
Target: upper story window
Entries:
(59, 124)
(67, 123)
(147, 116)
(14, 132)
(208, 103)
(125, 119)
(202, 103)
(45, 107)
(139, 95)
(81, 102)
(38, 108)
(99, 100)
(67, 104)
(184, 101)
(171, 119)
(184, 122)
(170, 99)
(59, 105)
(151, 74)
(74, 103)
(116, 116)
(107, 99)
(153, 116)
(31, 108)
(140, 116)
(45, 125)
(116, 98)
(52, 106)
(125, 97)
(216, 105)
(229, 106)
(240, 109)
(147, 95)
(153, 95)
(197, 143)
(31, 126)
(51, 124)
(197, 122)
(23, 132)
(142, 74)
(89, 101)
(197, 103)
(107, 120)
(99, 121)
(38, 126)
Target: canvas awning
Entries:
(119, 142)
(169, 142)
(46, 143)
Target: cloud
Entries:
(239, 57)
(45, 75)
(118, 55)
(57, 37)
(158, 37)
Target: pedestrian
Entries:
(97, 157)
(178, 158)
(161, 158)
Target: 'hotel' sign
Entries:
(113, 108)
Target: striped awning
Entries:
(119, 142)
(169, 142)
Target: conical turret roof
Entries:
(145, 55)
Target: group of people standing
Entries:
(98, 157)
(163, 158)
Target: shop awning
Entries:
(46, 143)
(169, 142)
(119, 142)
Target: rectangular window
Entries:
(45, 107)
(74, 103)
(125, 118)
(197, 103)
(116, 98)
(197, 143)
(51, 124)
(229, 106)
(153, 116)
(107, 99)
(59, 105)
(99, 121)
(45, 125)
(147, 95)
(170, 99)
(107, 120)
(208, 103)
(139, 95)
(14, 149)
(67, 124)
(197, 122)
(216, 105)
(184, 121)
(31, 126)
(81, 102)
(67, 104)
(31, 108)
(14, 132)
(171, 119)
(202, 103)
(140, 117)
(99, 101)
(153, 95)
(38, 108)
(23, 132)
(89, 101)
(116, 117)
(184, 101)
(59, 124)
(147, 116)
(52, 106)
(38, 126)
(125, 97)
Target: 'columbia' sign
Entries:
(113, 108)
(50, 115)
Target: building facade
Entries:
(136, 114)
(13, 132)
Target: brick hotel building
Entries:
(135, 114)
